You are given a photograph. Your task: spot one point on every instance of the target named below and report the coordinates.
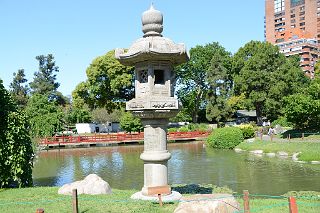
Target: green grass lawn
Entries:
(310, 151)
(29, 199)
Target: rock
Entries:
(92, 184)
(257, 152)
(207, 203)
(271, 154)
(282, 154)
(295, 156)
(315, 162)
(250, 140)
(238, 150)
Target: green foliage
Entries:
(303, 111)
(15, 144)
(73, 115)
(265, 76)
(282, 121)
(247, 130)
(317, 70)
(192, 78)
(109, 84)
(101, 115)
(191, 127)
(44, 81)
(129, 123)
(18, 91)
(225, 138)
(182, 116)
(220, 86)
(46, 118)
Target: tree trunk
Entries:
(259, 114)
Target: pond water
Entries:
(190, 163)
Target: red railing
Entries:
(118, 137)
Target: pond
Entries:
(190, 163)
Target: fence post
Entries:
(302, 136)
(293, 208)
(40, 211)
(75, 201)
(289, 137)
(160, 200)
(246, 207)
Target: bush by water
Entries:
(225, 138)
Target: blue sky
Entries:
(77, 31)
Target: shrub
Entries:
(225, 138)
(282, 121)
(247, 130)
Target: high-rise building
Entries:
(294, 26)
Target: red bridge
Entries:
(118, 138)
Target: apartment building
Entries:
(294, 26)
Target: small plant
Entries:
(225, 138)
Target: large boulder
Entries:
(92, 184)
(208, 203)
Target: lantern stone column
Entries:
(154, 57)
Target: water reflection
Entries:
(190, 163)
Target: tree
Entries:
(303, 109)
(109, 84)
(15, 144)
(317, 69)
(265, 77)
(73, 115)
(220, 86)
(18, 91)
(46, 117)
(129, 123)
(289, 79)
(44, 82)
(101, 115)
(192, 79)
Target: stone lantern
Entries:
(154, 57)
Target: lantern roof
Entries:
(153, 46)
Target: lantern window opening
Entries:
(159, 77)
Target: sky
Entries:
(77, 31)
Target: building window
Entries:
(302, 13)
(293, 21)
(302, 18)
(302, 23)
(280, 40)
(278, 5)
(143, 76)
(158, 77)
(294, 3)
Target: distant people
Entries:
(271, 131)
